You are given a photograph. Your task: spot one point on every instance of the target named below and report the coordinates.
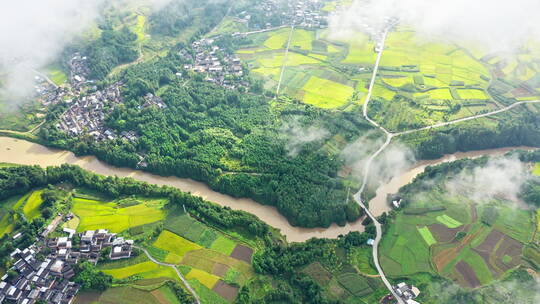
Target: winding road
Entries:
(358, 195)
(389, 136)
(186, 283)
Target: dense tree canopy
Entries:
(232, 141)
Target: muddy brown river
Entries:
(26, 153)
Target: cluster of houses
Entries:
(406, 292)
(79, 71)
(87, 113)
(221, 67)
(275, 13)
(307, 13)
(48, 279)
(46, 92)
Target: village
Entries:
(44, 271)
(275, 13)
(219, 66)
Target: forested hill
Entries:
(233, 141)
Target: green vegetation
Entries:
(114, 47)
(471, 244)
(175, 245)
(32, 206)
(102, 215)
(234, 143)
(427, 236)
(448, 221)
(536, 169)
(90, 278)
(224, 245)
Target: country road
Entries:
(358, 195)
(443, 124)
(284, 61)
(389, 136)
(175, 269)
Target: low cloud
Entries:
(298, 135)
(502, 26)
(395, 159)
(33, 33)
(499, 178)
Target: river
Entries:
(26, 153)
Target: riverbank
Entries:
(23, 152)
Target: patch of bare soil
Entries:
(488, 245)
(226, 291)
(468, 274)
(242, 253)
(442, 233)
(220, 269)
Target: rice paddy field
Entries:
(216, 264)
(148, 291)
(311, 70)
(458, 239)
(28, 204)
(95, 214)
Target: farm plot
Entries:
(427, 236)
(102, 215)
(326, 93)
(205, 278)
(448, 221)
(7, 220)
(225, 290)
(124, 272)
(32, 205)
(435, 75)
(176, 246)
(442, 233)
(472, 94)
(355, 284)
(318, 273)
(481, 254)
(536, 169)
(466, 271)
(404, 250)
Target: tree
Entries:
(90, 278)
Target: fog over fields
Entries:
(498, 25)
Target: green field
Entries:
(426, 241)
(33, 203)
(536, 169)
(107, 215)
(203, 277)
(57, 74)
(224, 245)
(278, 39)
(310, 72)
(448, 221)
(427, 236)
(124, 272)
(176, 245)
(325, 93)
(472, 94)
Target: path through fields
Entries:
(186, 283)
(284, 60)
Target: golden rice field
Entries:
(107, 215)
(326, 93)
